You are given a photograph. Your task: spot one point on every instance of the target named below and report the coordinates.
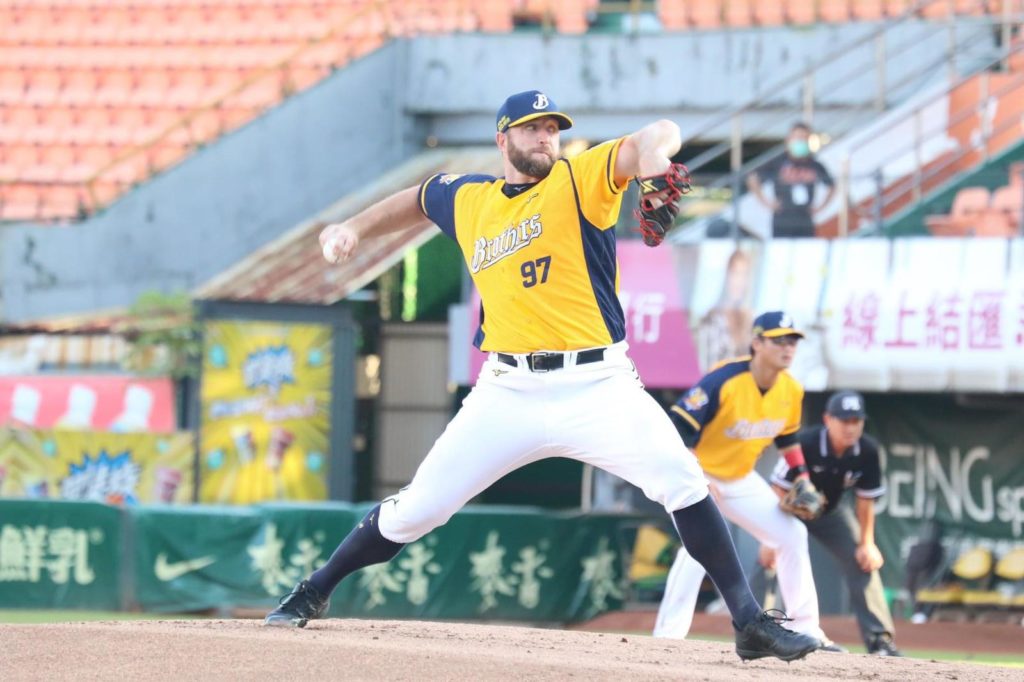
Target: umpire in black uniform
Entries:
(840, 456)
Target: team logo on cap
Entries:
(851, 403)
(785, 321)
(541, 102)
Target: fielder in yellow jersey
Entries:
(540, 247)
(734, 412)
(728, 421)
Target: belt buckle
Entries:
(532, 358)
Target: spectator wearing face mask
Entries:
(794, 177)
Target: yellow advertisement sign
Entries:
(266, 399)
(116, 468)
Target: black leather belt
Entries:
(545, 362)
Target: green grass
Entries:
(999, 660)
(32, 616)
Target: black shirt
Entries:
(794, 181)
(858, 468)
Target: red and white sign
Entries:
(94, 403)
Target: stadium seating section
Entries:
(978, 585)
(979, 212)
(97, 95)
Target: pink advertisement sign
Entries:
(91, 403)
(657, 327)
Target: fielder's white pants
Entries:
(596, 413)
(749, 503)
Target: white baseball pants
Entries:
(596, 413)
(749, 503)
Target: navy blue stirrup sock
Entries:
(364, 546)
(707, 539)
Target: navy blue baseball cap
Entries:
(846, 405)
(775, 323)
(526, 106)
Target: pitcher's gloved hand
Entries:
(659, 202)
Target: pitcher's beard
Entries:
(530, 164)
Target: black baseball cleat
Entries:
(881, 645)
(303, 604)
(765, 636)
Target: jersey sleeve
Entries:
(870, 484)
(593, 173)
(788, 435)
(437, 198)
(695, 409)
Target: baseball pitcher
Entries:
(540, 246)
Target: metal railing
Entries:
(888, 75)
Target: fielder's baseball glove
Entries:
(803, 500)
(659, 202)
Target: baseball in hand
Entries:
(331, 252)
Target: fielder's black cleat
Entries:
(831, 647)
(303, 604)
(765, 636)
(881, 645)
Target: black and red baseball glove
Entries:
(659, 202)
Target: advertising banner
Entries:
(116, 468)
(196, 558)
(966, 474)
(511, 564)
(100, 403)
(879, 315)
(266, 401)
(64, 555)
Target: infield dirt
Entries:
(413, 650)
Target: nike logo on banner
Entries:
(166, 571)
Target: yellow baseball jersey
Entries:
(728, 421)
(542, 255)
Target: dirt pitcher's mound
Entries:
(413, 650)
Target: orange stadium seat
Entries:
(834, 11)
(897, 8)
(739, 13)
(571, 16)
(868, 10)
(13, 82)
(16, 158)
(492, 16)
(772, 12)
(673, 14)
(706, 14)
(88, 122)
(20, 202)
(62, 201)
(102, 76)
(968, 205)
(1009, 202)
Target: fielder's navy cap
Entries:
(526, 106)
(775, 323)
(846, 405)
